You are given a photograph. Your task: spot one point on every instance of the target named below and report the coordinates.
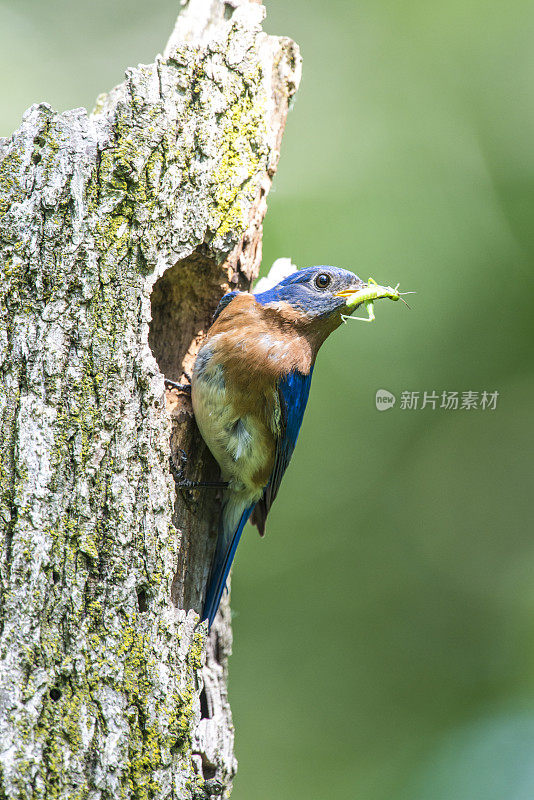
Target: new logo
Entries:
(384, 400)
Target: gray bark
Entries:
(119, 232)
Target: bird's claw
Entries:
(177, 473)
(181, 387)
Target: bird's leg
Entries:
(177, 473)
(182, 387)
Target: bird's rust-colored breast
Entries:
(259, 344)
(256, 346)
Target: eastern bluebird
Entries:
(250, 386)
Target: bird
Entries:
(250, 386)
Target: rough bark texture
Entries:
(119, 231)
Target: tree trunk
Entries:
(119, 232)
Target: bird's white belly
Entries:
(237, 442)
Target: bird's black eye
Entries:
(322, 280)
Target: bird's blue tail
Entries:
(231, 527)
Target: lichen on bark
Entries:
(119, 231)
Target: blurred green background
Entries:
(384, 629)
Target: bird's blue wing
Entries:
(293, 391)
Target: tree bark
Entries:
(119, 232)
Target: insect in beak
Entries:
(367, 294)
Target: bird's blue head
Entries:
(325, 295)
(320, 292)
